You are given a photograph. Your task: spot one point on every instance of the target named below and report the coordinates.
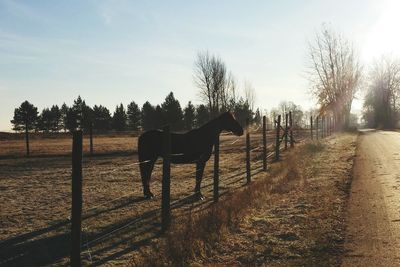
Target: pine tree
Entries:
(101, 118)
(119, 118)
(71, 120)
(64, 110)
(25, 119)
(56, 117)
(133, 116)
(202, 115)
(148, 116)
(77, 108)
(172, 112)
(242, 111)
(45, 121)
(257, 117)
(159, 117)
(189, 116)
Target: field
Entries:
(296, 219)
(36, 197)
(61, 145)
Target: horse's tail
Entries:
(146, 161)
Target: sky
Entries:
(116, 51)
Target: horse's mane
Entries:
(217, 118)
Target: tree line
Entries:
(124, 118)
(381, 103)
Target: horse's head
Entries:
(229, 123)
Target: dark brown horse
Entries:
(194, 146)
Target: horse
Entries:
(194, 146)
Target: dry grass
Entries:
(197, 235)
(287, 218)
(117, 223)
(63, 146)
(13, 145)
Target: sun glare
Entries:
(384, 36)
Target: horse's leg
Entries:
(199, 175)
(146, 169)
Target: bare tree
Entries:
(217, 86)
(334, 73)
(249, 94)
(381, 100)
(230, 97)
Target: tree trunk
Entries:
(27, 139)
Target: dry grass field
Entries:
(61, 145)
(117, 221)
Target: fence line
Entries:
(259, 146)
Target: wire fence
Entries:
(263, 146)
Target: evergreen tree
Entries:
(101, 118)
(45, 121)
(242, 112)
(64, 110)
(172, 112)
(25, 117)
(71, 120)
(159, 117)
(257, 117)
(87, 118)
(78, 107)
(148, 115)
(119, 118)
(133, 116)
(202, 115)
(189, 116)
(56, 119)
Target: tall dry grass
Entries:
(197, 234)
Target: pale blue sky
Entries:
(117, 51)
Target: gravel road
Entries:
(373, 231)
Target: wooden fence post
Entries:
(264, 143)
(216, 170)
(291, 129)
(76, 211)
(316, 126)
(311, 125)
(286, 130)
(248, 171)
(91, 138)
(278, 135)
(166, 181)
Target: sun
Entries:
(384, 37)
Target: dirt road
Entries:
(373, 233)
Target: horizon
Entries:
(118, 52)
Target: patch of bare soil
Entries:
(300, 221)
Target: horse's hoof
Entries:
(148, 195)
(199, 196)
